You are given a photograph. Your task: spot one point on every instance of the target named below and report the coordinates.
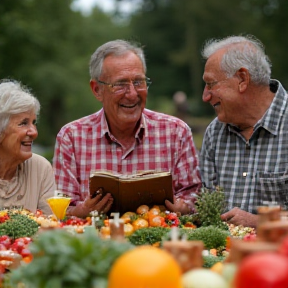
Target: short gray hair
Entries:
(116, 47)
(242, 52)
(15, 99)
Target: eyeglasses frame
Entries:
(112, 85)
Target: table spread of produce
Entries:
(150, 247)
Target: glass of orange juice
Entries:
(59, 205)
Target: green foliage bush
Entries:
(65, 260)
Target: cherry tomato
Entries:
(18, 246)
(25, 240)
(38, 212)
(6, 241)
(2, 248)
(25, 253)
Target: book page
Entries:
(105, 173)
(144, 175)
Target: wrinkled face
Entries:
(17, 139)
(122, 110)
(221, 92)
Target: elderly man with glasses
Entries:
(124, 137)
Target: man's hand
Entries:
(178, 206)
(98, 203)
(237, 217)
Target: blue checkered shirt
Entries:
(255, 172)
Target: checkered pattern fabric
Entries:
(255, 172)
(163, 143)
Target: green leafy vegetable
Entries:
(18, 226)
(210, 205)
(189, 218)
(210, 260)
(149, 235)
(212, 237)
(65, 260)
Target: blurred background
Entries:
(47, 46)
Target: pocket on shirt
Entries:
(274, 188)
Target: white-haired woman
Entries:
(26, 179)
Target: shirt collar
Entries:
(271, 119)
(141, 131)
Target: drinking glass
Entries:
(59, 205)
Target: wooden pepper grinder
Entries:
(188, 254)
(116, 227)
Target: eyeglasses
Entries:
(122, 87)
(210, 85)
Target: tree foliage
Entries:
(47, 46)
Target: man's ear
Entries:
(244, 79)
(95, 89)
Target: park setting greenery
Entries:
(47, 46)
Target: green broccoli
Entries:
(18, 226)
(212, 237)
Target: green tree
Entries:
(47, 46)
(175, 32)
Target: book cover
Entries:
(131, 191)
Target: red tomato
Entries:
(6, 241)
(283, 248)
(25, 240)
(18, 246)
(2, 271)
(25, 252)
(262, 270)
(4, 237)
(2, 248)
(39, 213)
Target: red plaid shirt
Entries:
(163, 143)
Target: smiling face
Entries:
(16, 141)
(222, 92)
(123, 110)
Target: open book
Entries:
(131, 191)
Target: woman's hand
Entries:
(98, 203)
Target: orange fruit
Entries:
(156, 221)
(27, 259)
(145, 216)
(128, 229)
(142, 209)
(127, 216)
(156, 244)
(140, 223)
(217, 267)
(105, 232)
(154, 211)
(145, 266)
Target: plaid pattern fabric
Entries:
(163, 143)
(255, 172)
